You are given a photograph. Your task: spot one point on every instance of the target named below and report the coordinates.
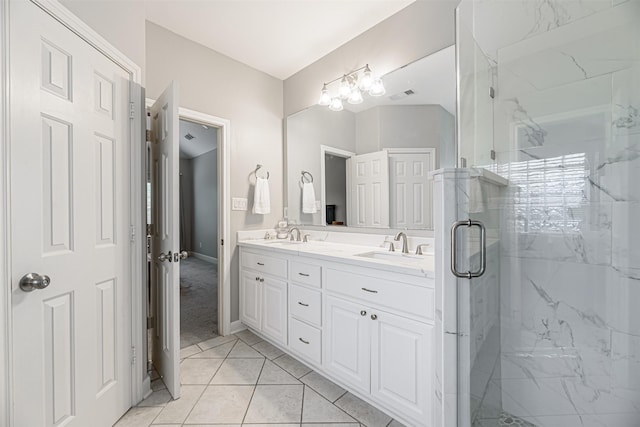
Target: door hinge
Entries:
(493, 154)
(132, 233)
(150, 321)
(221, 242)
(492, 92)
(132, 110)
(133, 355)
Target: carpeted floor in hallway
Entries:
(198, 301)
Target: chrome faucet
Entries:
(297, 239)
(405, 246)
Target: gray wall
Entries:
(252, 100)
(406, 126)
(336, 185)
(120, 22)
(186, 212)
(205, 204)
(418, 30)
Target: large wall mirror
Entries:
(368, 165)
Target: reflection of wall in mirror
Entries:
(372, 130)
(306, 132)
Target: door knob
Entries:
(184, 255)
(164, 257)
(33, 281)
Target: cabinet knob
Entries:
(374, 316)
(363, 313)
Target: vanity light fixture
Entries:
(352, 85)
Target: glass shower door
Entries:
(549, 129)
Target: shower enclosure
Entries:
(549, 156)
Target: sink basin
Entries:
(391, 256)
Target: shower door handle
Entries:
(482, 250)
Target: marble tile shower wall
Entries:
(567, 136)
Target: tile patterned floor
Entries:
(241, 380)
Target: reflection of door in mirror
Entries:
(335, 182)
(410, 187)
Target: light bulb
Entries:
(345, 87)
(355, 97)
(325, 98)
(366, 81)
(336, 104)
(377, 88)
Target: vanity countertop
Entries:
(364, 256)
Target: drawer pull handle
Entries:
(260, 264)
(370, 290)
(257, 278)
(304, 274)
(306, 342)
(261, 279)
(303, 304)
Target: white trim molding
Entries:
(237, 326)
(6, 380)
(324, 150)
(204, 257)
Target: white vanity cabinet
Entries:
(366, 327)
(380, 353)
(263, 294)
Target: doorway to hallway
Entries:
(199, 234)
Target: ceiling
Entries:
(203, 141)
(278, 37)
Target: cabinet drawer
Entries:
(306, 340)
(306, 274)
(400, 296)
(305, 304)
(265, 264)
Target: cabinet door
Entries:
(401, 362)
(274, 309)
(347, 342)
(250, 304)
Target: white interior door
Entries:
(69, 208)
(370, 189)
(410, 189)
(165, 271)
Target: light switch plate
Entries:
(238, 204)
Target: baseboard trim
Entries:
(203, 257)
(236, 327)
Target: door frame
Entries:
(224, 225)
(327, 149)
(137, 248)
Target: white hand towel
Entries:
(476, 199)
(308, 198)
(261, 197)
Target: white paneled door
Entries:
(410, 189)
(370, 189)
(165, 271)
(69, 226)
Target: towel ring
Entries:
(255, 172)
(306, 175)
